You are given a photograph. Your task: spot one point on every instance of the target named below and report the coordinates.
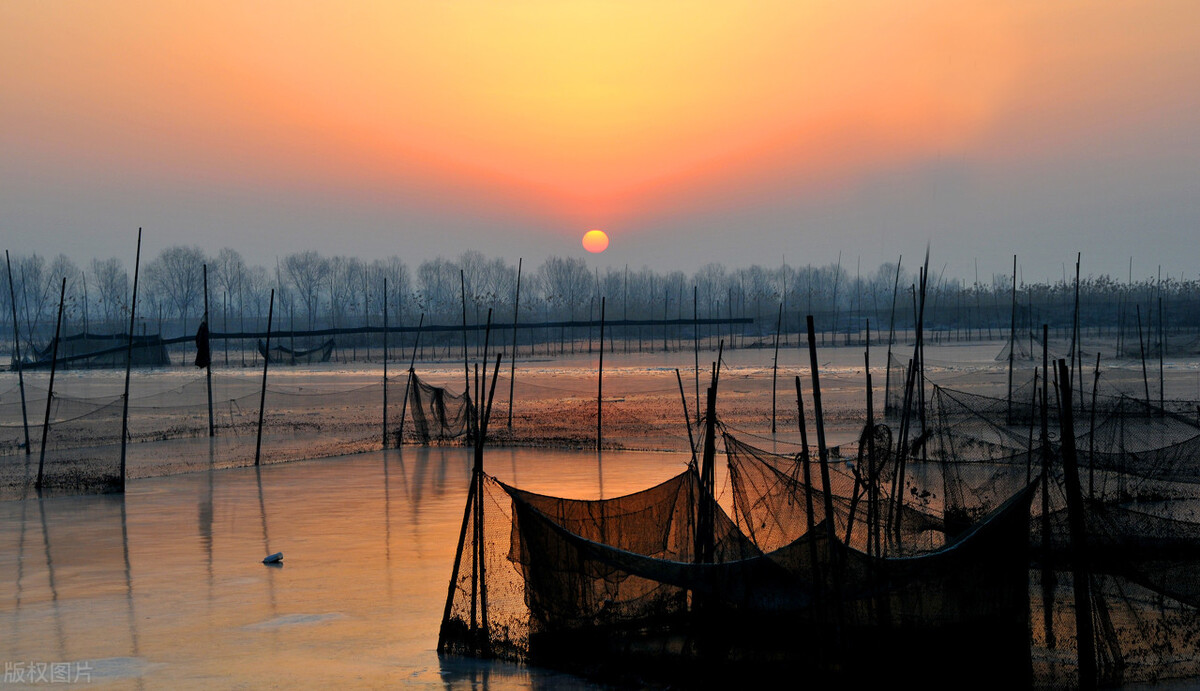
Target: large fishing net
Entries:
(624, 587)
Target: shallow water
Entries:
(164, 587)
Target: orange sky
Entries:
(581, 113)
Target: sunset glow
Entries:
(547, 116)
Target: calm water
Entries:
(164, 587)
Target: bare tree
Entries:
(307, 272)
(111, 284)
(176, 279)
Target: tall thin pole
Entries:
(818, 420)
(600, 383)
(1142, 349)
(12, 294)
(1092, 433)
(212, 428)
(1076, 350)
(1162, 347)
(408, 382)
(1049, 580)
(775, 366)
(262, 399)
(696, 343)
(809, 511)
(50, 394)
(1012, 337)
(462, 280)
(137, 263)
(512, 375)
(385, 359)
(1085, 643)
(887, 380)
(686, 418)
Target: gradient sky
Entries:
(690, 131)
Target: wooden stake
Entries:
(1049, 581)
(385, 361)
(600, 383)
(17, 353)
(408, 382)
(1092, 433)
(887, 381)
(775, 366)
(809, 510)
(262, 399)
(212, 428)
(466, 366)
(512, 376)
(686, 419)
(818, 420)
(1076, 520)
(137, 263)
(696, 343)
(1142, 349)
(1012, 338)
(50, 394)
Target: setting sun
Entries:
(595, 241)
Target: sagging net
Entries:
(284, 355)
(1141, 551)
(437, 415)
(774, 494)
(614, 587)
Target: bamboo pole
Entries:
(872, 488)
(412, 364)
(1085, 642)
(818, 420)
(137, 263)
(385, 361)
(600, 383)
(775, 366)
(17, 353)
(1049, 581)
(1092, 433)
(704, 522)
(262, 399)
(1162, 347)
(1012, 337)
(1142, 349)
(696, 343)
(809, 510)
(686, 419)
(887, 380)
(50, 394)
(212, 428)
(466, 366)
(462, 538)
(512, 376)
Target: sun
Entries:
(595, 241)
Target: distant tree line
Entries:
(318, 292)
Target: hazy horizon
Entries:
(691, 134)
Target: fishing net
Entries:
(613, 587)
(438, 415)
(284, 355)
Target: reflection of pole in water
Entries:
(58, 626)
(262, 512)
(387, 522)
(600, 472)
(204, 515)
(20, 568)
(133, 636)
